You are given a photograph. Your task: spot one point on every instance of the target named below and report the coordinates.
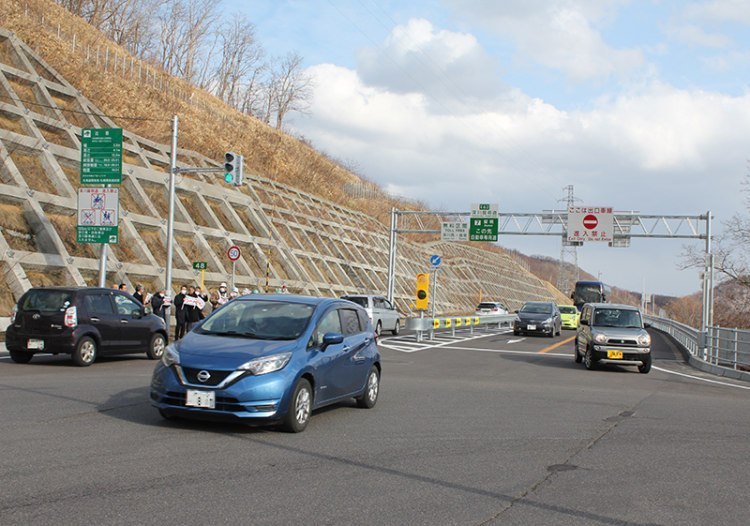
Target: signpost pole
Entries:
(203, 275)
(434, 293)
(234, 263)
(170, 213)
(103, 266)
(392, 254)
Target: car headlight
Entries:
(267, 364)
(600, 338)
(548, 321)
(170, 356)
(644, 340)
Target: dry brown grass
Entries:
(14, 227)
(12, 122)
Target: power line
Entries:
(7, 97)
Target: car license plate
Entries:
(614, 355)
(35, 344)
(206, 399)
(531, 327)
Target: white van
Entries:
(383, 314)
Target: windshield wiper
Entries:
(244, 334)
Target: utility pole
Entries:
(568, 271)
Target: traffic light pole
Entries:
(173, 171)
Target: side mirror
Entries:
(137, 313)
(572, 295)
(516, 311)
(647, 325)
(147, 310)
(584, 321)
(331, 338)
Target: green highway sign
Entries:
(101, 156)
(200, 265)
(97, 234)
(483, 229)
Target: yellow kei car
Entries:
(570, 316)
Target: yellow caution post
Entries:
(436, 324)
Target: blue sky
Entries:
(640, 105)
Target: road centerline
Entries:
(556, 345)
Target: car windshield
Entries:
(628, 319)
(47, 300)
(259, 319)
(359, 300)
(566, 309)
(487, 306)
(536, 308)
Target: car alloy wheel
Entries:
(372, 389)
(300, 407)
(157, 346)
(85, 353)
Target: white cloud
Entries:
(736, 11)
(449, 67)
(559, 35)
(697, 36)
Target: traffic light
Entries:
(233, 169)
(423, 291)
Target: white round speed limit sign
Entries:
(234, 253)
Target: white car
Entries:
(491, 307)
(382, 313)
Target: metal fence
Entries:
(428, 326)
(721, 347)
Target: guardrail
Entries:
(424, 326)
(720, 350)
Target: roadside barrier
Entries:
(429, 326)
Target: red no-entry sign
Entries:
(590, 221)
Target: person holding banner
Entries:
(180, 314)
(193, 304)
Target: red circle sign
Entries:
(590, 221)
(234, 253)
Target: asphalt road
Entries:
(496, 430)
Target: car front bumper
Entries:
(251, 398)
(629, 355)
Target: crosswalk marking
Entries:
(408, 344)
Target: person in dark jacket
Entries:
(139, 294)
(193, 311)
(158, 307)
(180, 314)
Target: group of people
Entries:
(191, 305)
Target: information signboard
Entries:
(454, 231)
(590, 223)
(101, 156)
(98, 215)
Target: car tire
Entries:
(588, 359)
(21, 357)
(515, 332)
(156, 347)
(378, 329)
(397, 328)
(300, 408)
(372, 389)
(578, 358)
(552, 332)
(646, 367)
(85, 352)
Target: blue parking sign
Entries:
(435, 260)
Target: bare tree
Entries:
(241, 61)
(290, 88)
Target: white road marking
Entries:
(440, 340)
(701, 379)
(516, 341)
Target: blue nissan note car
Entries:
(270, 359)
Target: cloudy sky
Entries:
(641, 105)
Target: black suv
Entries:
(83, 322)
